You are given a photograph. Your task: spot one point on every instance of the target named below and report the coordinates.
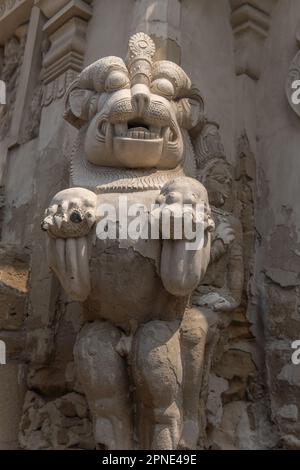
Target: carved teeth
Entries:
(155, 130)
(139, 133)
(165, 133)
(146, 135)
(121, 129)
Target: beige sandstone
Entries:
(125, 343)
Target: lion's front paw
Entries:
(184, 217)
(71, 214)
(183, 204)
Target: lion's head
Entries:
(133, 114)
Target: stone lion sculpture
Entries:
(139, 356)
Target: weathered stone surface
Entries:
(12, 390)
(14, 273)
(148, 108)
(235, 430)
(63, 423)
(231, 352)
(289, 412)
(216, 387)
(290, 442)
(49, 381)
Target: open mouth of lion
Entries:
(138, 143)
(138, 130)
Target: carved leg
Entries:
(193, 331)
(102, 373)
(157, 373)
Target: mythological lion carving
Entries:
(139, 356)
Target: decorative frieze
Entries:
(13, 53)
(66, 31)
(26, 118)
(21, 37)
(13, 13)
(57, 88)
(250, 23)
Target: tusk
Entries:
(83, 263)
(71, 262)
(61, 259)
(69, 259)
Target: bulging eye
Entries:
(163, 87)
(116, 80)
(75, 217)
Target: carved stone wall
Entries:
(242, 55)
